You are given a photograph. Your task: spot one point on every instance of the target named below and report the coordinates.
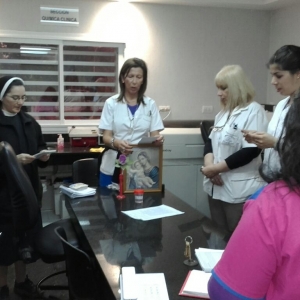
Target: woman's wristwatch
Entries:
(112, 143)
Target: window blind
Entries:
(64, 80)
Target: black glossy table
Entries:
(114, 240)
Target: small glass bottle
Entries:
(60, 142)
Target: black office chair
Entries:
(26, 213)
(86, 171)
(50, 249)
(206, 127)
(80, 271)
(25, 209)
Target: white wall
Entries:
(284, 30)
(184, 46)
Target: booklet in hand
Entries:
(147, 140)
(42, 153)
(208, 258)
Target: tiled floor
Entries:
(48, 217)
(36, 272)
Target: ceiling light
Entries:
(33, 52)
(34, 49)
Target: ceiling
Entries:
(246, 4)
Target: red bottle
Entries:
(121, 195)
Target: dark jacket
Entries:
(31, 141)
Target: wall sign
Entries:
(54, 15)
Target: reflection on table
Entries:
(114, 240)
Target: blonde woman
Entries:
(230, 162)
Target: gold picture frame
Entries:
(145, 171)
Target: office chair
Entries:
(206, 127)
(50, 249)
(26, 213)
(80, 271)
(25, 209)
(86, 171)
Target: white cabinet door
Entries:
(181, 181)
(184, 180)
(202, 198)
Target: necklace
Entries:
(131, 110)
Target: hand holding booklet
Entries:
(147, 140)
(208, 258)
(42, 153)
(195, 284)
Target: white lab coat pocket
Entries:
(244, 186)
(108, 162)
(146, 119)
(230, 137)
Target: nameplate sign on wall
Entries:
(54, 15)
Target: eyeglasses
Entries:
(218, 128)
(17, 98)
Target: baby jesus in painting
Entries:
(137, 172)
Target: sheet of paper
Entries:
(208, 258)
(151, 213)
(150, 286)
(147, 140)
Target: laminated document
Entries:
(145, 286)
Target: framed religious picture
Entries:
(145, 170)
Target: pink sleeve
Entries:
(249, 260)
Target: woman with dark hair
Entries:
(24, 134)
(127, 117)
(284, 66)
(261, 260)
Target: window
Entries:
(64, 80)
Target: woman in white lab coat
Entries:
(284, 67)
(127, 117)
(230, 162)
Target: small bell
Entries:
(187, 252)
